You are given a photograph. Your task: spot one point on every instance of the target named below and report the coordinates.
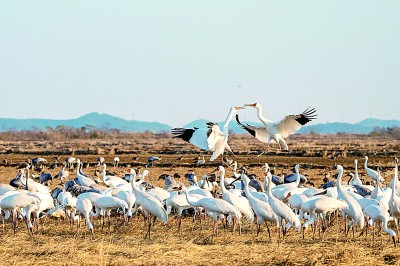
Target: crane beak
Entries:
(251, 104)
(240, 107)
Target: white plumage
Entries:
(372, 173)
(212, 139)
(262, 209)
(280, 130)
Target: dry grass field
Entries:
(57, 243)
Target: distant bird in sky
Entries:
(212, 139)
(277, 131)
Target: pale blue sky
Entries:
(176, 61)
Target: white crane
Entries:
(239, 202)
(377, 192)
(262, 209)
(83, 180)
(354, 210)
(70, 209)
(105, 204)
(212, 139)
(179, 202)
(355, 179)
(110, 180)
(32, 185)
(377, 213)
(394, 202)
(216, 207)
(130, 199)
(283, 211)
(320, 207)
(63, 174)
(280, 130)
(45, 202)
(14, 203)
(295, 201)
(151, 205)
(116, 161)
(372, 173)
(84, 207)
(91, 196)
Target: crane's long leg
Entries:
(15, 221)
(373, 233)
(78, 226)
(109, 223)
(269, 233)
(180, 224)
(102, 222)
(337, 225)
(258, 228)
(194, 219)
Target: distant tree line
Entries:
(392, 132)
(60, 133)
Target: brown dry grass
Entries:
(125, 245)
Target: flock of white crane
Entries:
(285, 206)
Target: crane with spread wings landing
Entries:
(210, 139)
(277, 131)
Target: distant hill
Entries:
(107, 121)
(362, 127)
(94, 119)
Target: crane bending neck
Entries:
(260, 115)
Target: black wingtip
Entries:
(308, 115)
(247, 128)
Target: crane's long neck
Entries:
(189, 199)
(269, 188)
(246, 187)
(87, 218)
(297, 177)
(133, 181)
(222, 181)
(103, 175)
(339, 180)
(260, 115)
(310, 220)
(394, 187)
(228, 119)
(27, 177)
(377, 180)
(77, 168)
(235, 169)
(96, 213)
(351, 178)
(366, 162)
(265, 184)
(356, 170)
(385, 227)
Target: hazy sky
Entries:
(176, 61)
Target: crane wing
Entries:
(292, 123)
(196, 136)
(259, 133)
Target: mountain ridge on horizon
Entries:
(103, 120)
